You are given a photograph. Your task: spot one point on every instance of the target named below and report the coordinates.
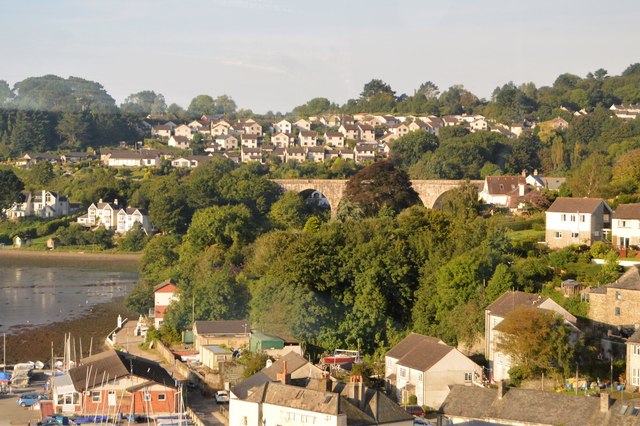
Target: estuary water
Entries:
(35, 294)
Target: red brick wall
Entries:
(140, 406)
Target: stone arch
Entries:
(332, 189)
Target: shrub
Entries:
(516, 375)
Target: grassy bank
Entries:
(103, 260)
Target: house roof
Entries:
(376, 407)
(553, 183)
(246, 136)
(523, 406)
(627, 211)
(163, 284)
(114, 364)
(419, 352)
(334, 135)
(222, 327)
(504, 184)
(294, 362)
(282, 395)
(308, 134)
(514, 299)
(635, 337)
(630, 280)
(582, 205)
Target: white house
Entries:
(163, 294)
(633, 360)
(281, 140)
(184, 131)
(503, 191)
(101, 213)
(249, 140)
(303, 124)
(308, 138)
(494, 314)
(577, 221)
(335, 139)
(426, 367)
(42, 204)
(181, 142)
(227, 142)
(282, 126)
(126, 218)
(625, 227)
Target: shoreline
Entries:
(120, 261)
(34, 343)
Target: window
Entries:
(419, 377)
(635, 376)
(558, 234)
(162, 397)
(468, 377)
(582, 218)
(563, 217)
(624, 223)
(95, 397)
(147, 397)
(573, 218)
(403, 372)
(636, 349)
(617, 312)
(618, 295)
(574, 235)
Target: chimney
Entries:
(100, 200)
(524, 172)
(284, 377)
(115, 201)
(604, 402)
(501, 389)
(535, 172)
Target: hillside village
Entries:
(511, 299)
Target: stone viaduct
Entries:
(430, 191)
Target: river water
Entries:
(36, 295)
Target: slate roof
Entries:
(553, 183)
(582, 205)
(525, 406)
(376, 409)
(276, 393)
(419, 352)
(627, 211)
(504, 184)
(222, 327)
(513, 299)
(630, 280)
(114, 364)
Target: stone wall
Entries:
(602, 307)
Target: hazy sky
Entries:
(276, 54)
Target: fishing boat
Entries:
(342, 356)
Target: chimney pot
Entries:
(501, 389)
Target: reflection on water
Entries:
(40, 295)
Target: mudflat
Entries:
(116, 261)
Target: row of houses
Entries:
(113, 216)
(43, 204)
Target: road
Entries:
(12, 414)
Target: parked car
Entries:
(415, 410)
(29, 399)
(419, 421)
(222, 397)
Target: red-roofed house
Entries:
(163, 294)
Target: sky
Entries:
(272, 55)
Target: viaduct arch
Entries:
(429, 191)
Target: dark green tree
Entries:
(10, 187)
(381, 185)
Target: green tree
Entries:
(73, 128)
(381, 185)
(144, 103)
(6, 94)
(10, 187)
(135, 239)
(374, 87)
(537, 340)
(501, 281)
(429, 90)
(225, 105)
(202, 104)
(591, 179)
(290, 211)
(221, 225)
(408, 149)
(41, 174)
(167, 205)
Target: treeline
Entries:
(51, 113)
